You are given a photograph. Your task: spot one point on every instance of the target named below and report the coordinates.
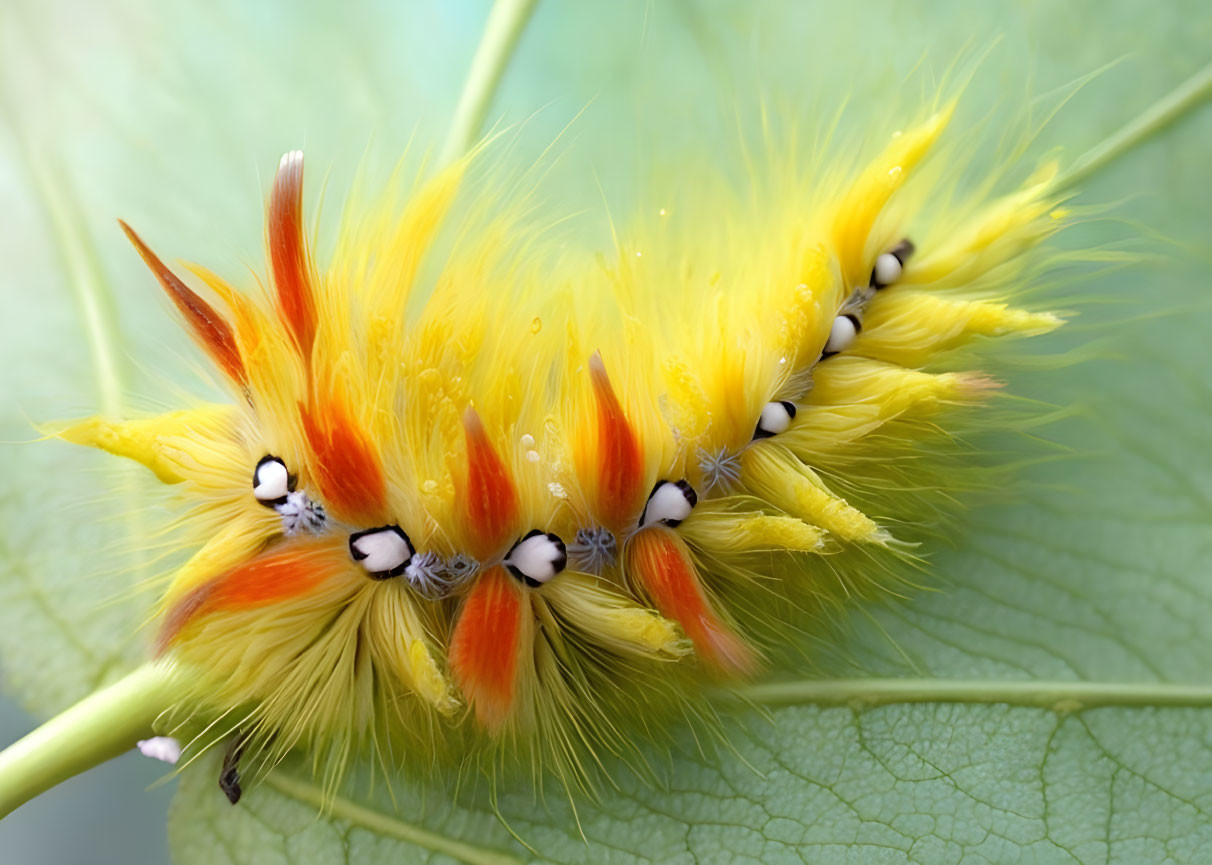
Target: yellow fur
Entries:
(699, 323)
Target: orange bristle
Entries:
(346, 463)
(288, 255)
(494, 632)
(286, 572)
(209, 328)
(659, 562)
(490, 500)
(619, 462)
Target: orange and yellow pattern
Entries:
(574, 483)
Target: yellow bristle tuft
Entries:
(616, 622)
(776, 475)
(193, 444)
(911, 327)
(854, 396)
(859, 208)
(725, 531)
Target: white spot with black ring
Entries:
(888, 269)
(272, 481)
(776, 418)
(889, 266)
(842, 334)
(537, 558)
(669, 503)
(384, 552)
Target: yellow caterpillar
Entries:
(533, 501)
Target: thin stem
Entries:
(501, 32)
(1055, 695)
(1182, 99)
(93, 296)
(98, 728)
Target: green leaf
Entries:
(923, 783)
(1089, 580)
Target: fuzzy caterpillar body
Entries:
(538, 501)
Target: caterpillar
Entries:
(494, 498)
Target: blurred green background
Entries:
(173, 116)
(104, 817)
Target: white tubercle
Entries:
(381, 551)
(271, 480)
(776, 417)
(538, 557)
(841, 335)
(669, 503)
(888, 269)
(163, 748)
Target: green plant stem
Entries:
(505, 24)
(1055, 695)
(94, 299)
(1182, 99)
(98, 728)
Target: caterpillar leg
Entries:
(229, 773)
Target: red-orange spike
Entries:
(210, 329)
(658, 560)
(267, 579)
(288, 254)
(493, 635)
(490, 501)
(619, 462)
(345, 461)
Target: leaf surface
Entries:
(1092, 568)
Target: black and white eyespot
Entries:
(537, 558)
(272, 481)
(384, 551)
(842, 333)
(670, 502)
(890, 265)
(887, 270)
(776, 418)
